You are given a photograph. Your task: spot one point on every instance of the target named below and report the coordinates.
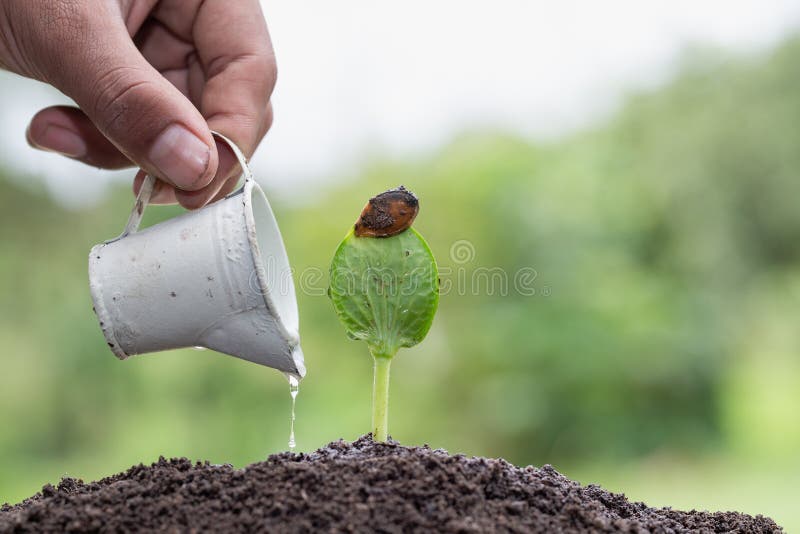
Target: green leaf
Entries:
(385, 290)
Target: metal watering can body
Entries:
(217, 277)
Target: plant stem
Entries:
(380, 398)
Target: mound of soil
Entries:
(352, 487)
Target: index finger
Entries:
(235, 52)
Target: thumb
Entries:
(146, 117)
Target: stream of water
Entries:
(294, 387)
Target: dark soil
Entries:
(352, 487)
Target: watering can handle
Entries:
(143, 198)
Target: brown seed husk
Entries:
(388, 214)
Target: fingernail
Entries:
(59, 139)
(180, 156)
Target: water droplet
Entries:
(198, 347)
(294, 387)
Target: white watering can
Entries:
(217, 277)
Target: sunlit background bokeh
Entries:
(612, 191)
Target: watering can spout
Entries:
(300, 364)
(217, 277)
(258, 336)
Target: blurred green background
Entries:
(647, 338)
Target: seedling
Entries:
(385, 288)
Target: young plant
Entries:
(385, 288)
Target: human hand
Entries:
(151, 79)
